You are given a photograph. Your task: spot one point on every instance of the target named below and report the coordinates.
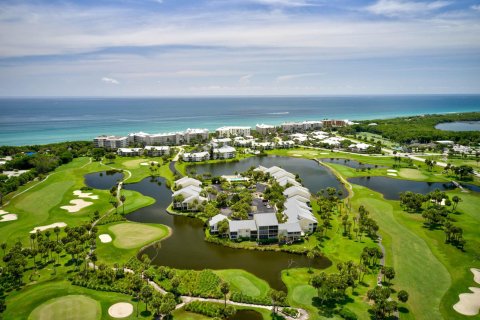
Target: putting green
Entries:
(244, 282)
(131, 235)
(304, 294)
(411, 174)
(131, 164)
(70, 307)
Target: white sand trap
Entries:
(76, 205)
(50, 226)
(296, 155)
(324, 153)
(392, 174)
(105, 238)
(5, 216)
(120, 310)
(392, 170)
(81, 194)
(469, 304)
(476, 275)
(149, 163)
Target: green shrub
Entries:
(347, 314)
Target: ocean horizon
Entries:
(28, 121)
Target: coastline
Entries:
(51, 120)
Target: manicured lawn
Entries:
(128, 239)
(129, 235)
(45, 295)
(139, 172)
(244, 282)
(181, 314)
(412, 174)
(71, 307)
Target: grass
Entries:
(128, 239)
(139, 172)
(182, 314)
(41, 204)
(130, 235)
(244, 282)
(21, 304)
(71, 307)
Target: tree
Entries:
(402, 296)
(277, 298)
(223, 227)
(456, 200)
(146, 293)
(389, 273)
(175, 283)
(4, 247)
(56, 230)
(168, 304)
(122, 200)
(229, 312)
(225, 289)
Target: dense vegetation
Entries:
(421, 128)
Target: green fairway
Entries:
(244, 282)
(130, 235)
(72, 307)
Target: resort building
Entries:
(110, 142)
(220, 142)
(286, 144)
(359, 147)
(129, 152)
(233, 131)
(263, 145)
(267, 226)
(213, 223)
(290, 231)
(301, 126)
(196, 156)
(186, 182)
(264, 129)
(172, 138)
(333, 141)
(157, 151)
(335, 123)
(188, 197)
(242, 142)
(225, 152)
(243, 229)
(299, 137)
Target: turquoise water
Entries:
(35, 121)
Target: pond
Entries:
(459, 126)
(314, 176)
(391, 188)
(103, 179)
(350, 163)
(246, 315)
(187, 249)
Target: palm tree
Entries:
(115, 205)
(225, 289)
(146, 294)
(56, 230)
(4, 247)
(33, 236)
(122, 199)
(93, 257)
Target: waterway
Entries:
(187, 249)
(314, 176)
(350, 163)
(459, 126)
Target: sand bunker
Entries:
(392, 174)
(149, 163)
(50, 226)
(105, 238)
(120, 310)
(469, 303)
(391, 170)
(76, 205)
(476, 275)
(296, 155)
(81, 194)
(5, 216)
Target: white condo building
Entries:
(264, 129)
(233, 131)
(110, 142)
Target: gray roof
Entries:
(290, 227)
(235, 225)
(265, 219)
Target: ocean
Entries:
(26, 121)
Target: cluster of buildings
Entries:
(298, 218)
(200, 135)
(141, 138)
(151, 151)
(188, 194)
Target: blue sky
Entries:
(238, 47)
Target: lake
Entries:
(187, 249)
(314, 176)
(459, 126)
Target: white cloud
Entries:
(110, 80)
(245, 80)
(404, 7)
(476, 7)
(289, 77)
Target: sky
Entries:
(238, 47)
